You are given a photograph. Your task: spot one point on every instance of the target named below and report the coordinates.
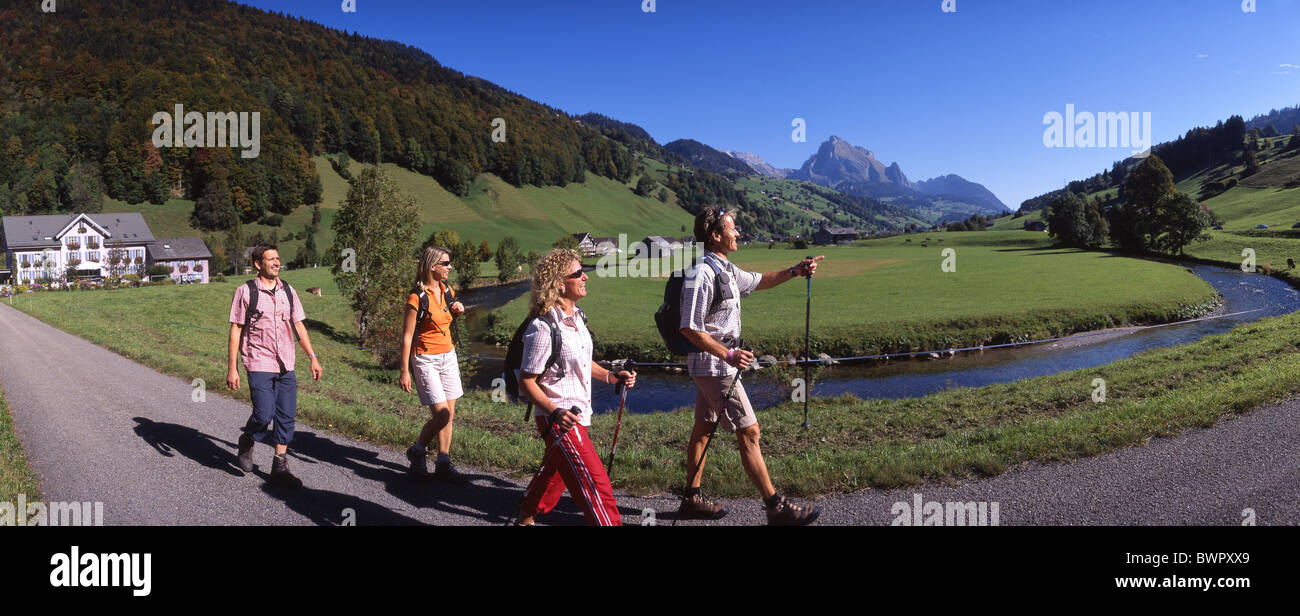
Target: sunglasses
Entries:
(576, 275)
(443, 263)
(719, 221)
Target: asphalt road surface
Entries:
(99, 427)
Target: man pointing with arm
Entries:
(712, 324)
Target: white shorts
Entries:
(437, 377)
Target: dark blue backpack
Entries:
(669, 316)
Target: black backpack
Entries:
(423, 312)
(515, 355)
(252, 313)
(669, 316)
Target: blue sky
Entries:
(962, 92)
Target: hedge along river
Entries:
(1246, 297)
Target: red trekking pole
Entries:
(629, 365)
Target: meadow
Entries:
(890, 295)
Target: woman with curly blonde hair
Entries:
(429, 353)
(561, 393)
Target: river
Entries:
(1252, 295)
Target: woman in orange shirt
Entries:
(432, 360)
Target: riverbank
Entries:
(893, 296)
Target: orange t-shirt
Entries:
(433, 335)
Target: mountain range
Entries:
(855, 170)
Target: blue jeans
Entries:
(275, 396)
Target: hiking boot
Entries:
(419, 464)
(786, 513)
(444, 471)
(280, 474)
(246, 453)
(699, 508)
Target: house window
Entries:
(92, 255)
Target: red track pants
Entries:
(573, 463)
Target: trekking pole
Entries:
(622, 401)
(807, 329)
(699, 466)
(550, 426)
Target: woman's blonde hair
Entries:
(548, 278)
(424, 271)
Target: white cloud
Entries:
(1288, 66)
(1202, 55)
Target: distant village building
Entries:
(1035, 225)
(606, 245)
(586, 245)
(91, 246)
(188, 258)
(834, 235)
(656, 245)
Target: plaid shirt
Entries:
(575, 355)
(721, 322)
(268, 343)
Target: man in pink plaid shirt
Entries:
(268, 355)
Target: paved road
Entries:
(99, 427)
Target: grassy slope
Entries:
(852, 443)
(1008, 286)
(15, 476)
(536, 217)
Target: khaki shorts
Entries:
(737, 415)
(437, 378)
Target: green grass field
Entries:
(890, 295)
(852, 444)
(16, 476)
(535, 216)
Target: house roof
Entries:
(840, 230)
(174, 248)
(657, 239)
(31, 231)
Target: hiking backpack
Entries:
(515, 355)
(668, 318)
(252, 313)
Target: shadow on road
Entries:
(172, 439)
(487, 498)
(326, 508)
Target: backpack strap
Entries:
(721, 280)
(288, 292)
(555, 346)
(250, 312)
(422, 312)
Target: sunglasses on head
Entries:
(719, 221)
